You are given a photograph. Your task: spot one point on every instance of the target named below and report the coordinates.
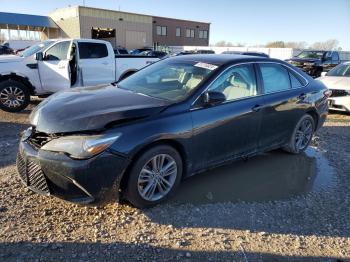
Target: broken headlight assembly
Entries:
(81, 146)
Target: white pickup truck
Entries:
(56, 65)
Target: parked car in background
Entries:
(20, 45)
(159, 54)
(315, 62)
(53, 66)
(194, 52)
(185, 53)
(204, 51)
(338, 81)
(139, 50)
(5, 50)
(261, 54)
(175, 118)
(121, 51)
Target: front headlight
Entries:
(81, 146)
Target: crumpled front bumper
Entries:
(89, 181)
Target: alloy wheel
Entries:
(12, 97)
(157, 177)
(303, 134)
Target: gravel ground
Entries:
(314, 226)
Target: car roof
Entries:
(221, 59)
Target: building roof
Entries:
(26, 20)
(129, 13)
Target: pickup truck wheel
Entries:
(154, 176)
(14, 96)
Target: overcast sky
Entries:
(244, 21)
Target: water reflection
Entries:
(270, 176)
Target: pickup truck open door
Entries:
(96, 63)
(54, 69)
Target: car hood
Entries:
(10, 58)
(303, 60)
(336, 82)
(92, 108)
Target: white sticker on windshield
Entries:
(206, 66)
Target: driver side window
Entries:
(237, 82)
(58, 52)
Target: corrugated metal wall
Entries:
(130, 28)
(68, 21)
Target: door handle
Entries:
(302, 96)
(257, 108)
(61, 67)
(105, 63)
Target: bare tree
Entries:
(221, 43)
(275, 44)
(296, 45)
(331, 44)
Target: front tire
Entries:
(154, 176)
(14, 96)
(302, 135)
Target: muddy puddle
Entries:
(271, 176)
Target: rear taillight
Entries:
(327, 93)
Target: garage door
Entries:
(135, 39)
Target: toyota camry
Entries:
(139, 138)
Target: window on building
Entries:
(203, 34)
(178, 31)
(190, 33)
(92, 50)
(161, 30)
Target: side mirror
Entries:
(213, 98)
(39, 56)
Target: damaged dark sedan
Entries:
(137, 139)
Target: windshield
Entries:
(172, 81)
(340, 70)
(35, 48)
(311, 54)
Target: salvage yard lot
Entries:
(281, 207)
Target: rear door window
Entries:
(275, 77)
(92, 50)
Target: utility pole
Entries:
(83, 2)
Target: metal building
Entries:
(128, 29)
(119, 28)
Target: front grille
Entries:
(31, 174)
(38, 139)
(21, 167)
(338, 92)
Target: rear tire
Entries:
(159, 170)
(302, 135)
(14, 96)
